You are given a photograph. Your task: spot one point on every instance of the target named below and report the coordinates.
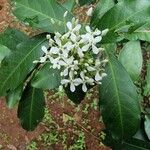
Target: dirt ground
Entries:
(13, 137)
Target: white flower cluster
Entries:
(77, 55)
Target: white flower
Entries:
(56, 63)
(78, 56)
(68, 63)
(73, 28)
(85, 80)
(43, 59)
(54, 50)
(98, 69)
(73, 82)
(90, 11)
(91, 39)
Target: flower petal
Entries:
(65, 81)
(97, 32)
(98, 77)
(43, 59)
(89, 68)
(78, 81)
(44, 49)
(69, 25)
(95, 49)
(73, 37)
(54, 50)
(88, 29)
(57, 40)
(82, 75)
(62, 63)
(77, 28)
(97, 39)
(84, 88)
(65, 72)
(72, 87)
(103, 75)
(85, 47)
(80, 53)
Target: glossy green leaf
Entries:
(101, 8)
(46, 78)
(143, 35)
(123, 13)
(131, 58)
(147, 80)
(4, 51)
(13, 97)
(119, 102)
(18, 65)
(135, 144)
(11, 38)
(147, 125)
(31, 108)
(43, 14)
(69, 5)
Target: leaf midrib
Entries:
(31, 108)
(114, 27)
(46, 16)
(117, 95)
(13, 72)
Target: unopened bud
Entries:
(48, 36)
(105, 60)
(90, 11)
(104, 32)
(65, 14)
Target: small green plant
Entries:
(32, 146)
(49, 138)
(47, 117)
(94, 104)
(79, 144)
(85, 109)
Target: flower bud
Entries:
(90, 11)
(65, 14)
(104, 32)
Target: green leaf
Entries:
(46, 78)
(13, 97)
(31, 108)
(18, 65)
(123, 13)
(119, 102)
(69, 5)
(135, 144)
(43, 14)
(147, 125)
(11, 38)
(129, 144)
(131, 58)
(102, 7)
(4, 51)
(147, 80)
(143, 35)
